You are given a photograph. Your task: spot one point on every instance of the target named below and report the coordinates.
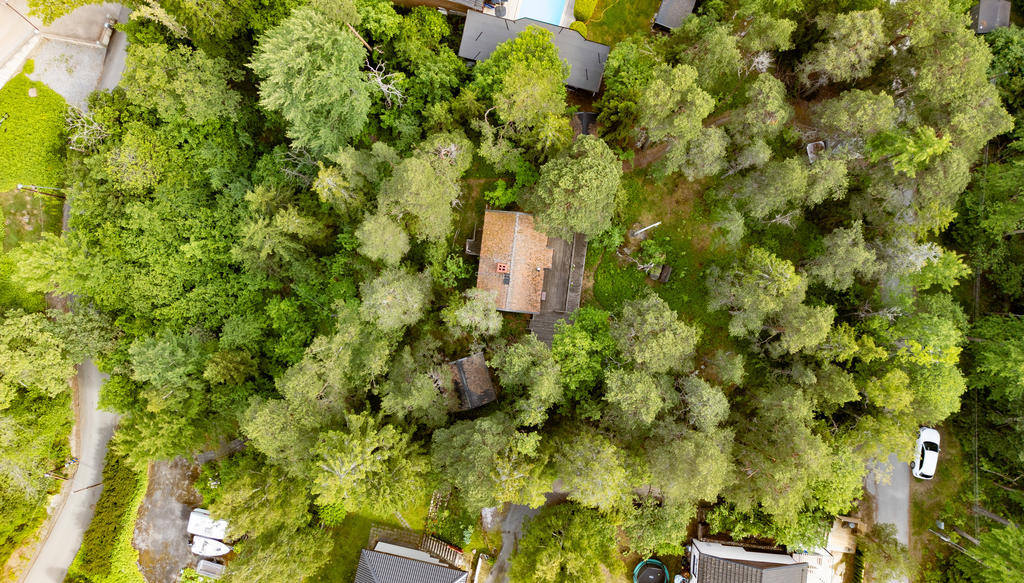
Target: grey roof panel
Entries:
(988, 15)
(377, 567)
(712, 569)
(483, 33)
(672, 13)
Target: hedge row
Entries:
(106, 554)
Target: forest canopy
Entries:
(270, 233)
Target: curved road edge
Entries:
(94, 429)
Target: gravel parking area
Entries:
(161, 535)
(71, 70)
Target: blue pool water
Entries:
(549, 11)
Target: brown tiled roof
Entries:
(509, 238)
(473, 381)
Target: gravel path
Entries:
(72, 70)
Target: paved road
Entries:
(511, 531)
(892, 499)
(94, 429)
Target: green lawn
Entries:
(614, 20)
(946, 497)
(353, 534)
(31, 139)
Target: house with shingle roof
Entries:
(513, 257)
(389, 563)
(672, 13)
(484, 32)
(712, 562)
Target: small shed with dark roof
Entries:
(376, 567)
(989, 15)
(472, 381)
(483, 33)
(672, 13)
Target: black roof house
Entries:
(376, 567)
(715, 562)
(483, 33)
(719, 570)
(672, 13)
(988, 15)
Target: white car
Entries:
(926, 457)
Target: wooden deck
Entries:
(563, 285)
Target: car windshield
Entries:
(928, 446)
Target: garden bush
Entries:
(579, 27)
(583, 10)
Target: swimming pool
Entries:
(549, 11)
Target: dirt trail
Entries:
(160, 533)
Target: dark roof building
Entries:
(712, 562)
(377, 567)
(472, 381)
(989, 15)
(483, 33)
(672, 13)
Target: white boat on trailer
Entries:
(207, 547)
(200, 524)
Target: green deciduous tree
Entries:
(254, 497)
(576, 191)
(651, 335)
(856, 40)
(367, 465)
(395, 299)
(671, 106)
(758, 285)
(999, 357)
(310, 65)
(706, 404)
(181, 83)
(637, 397)
(858, 113)
(529, 368)
(844, 258)
(413, 388)
(382, 239)
(271, 557)
(477, 314)
(491, 462)
(765, 113)
(421, 194)
(592, 467)
(563, 543)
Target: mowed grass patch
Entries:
(31, 138)
(614, 20)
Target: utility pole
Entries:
(36, 189)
